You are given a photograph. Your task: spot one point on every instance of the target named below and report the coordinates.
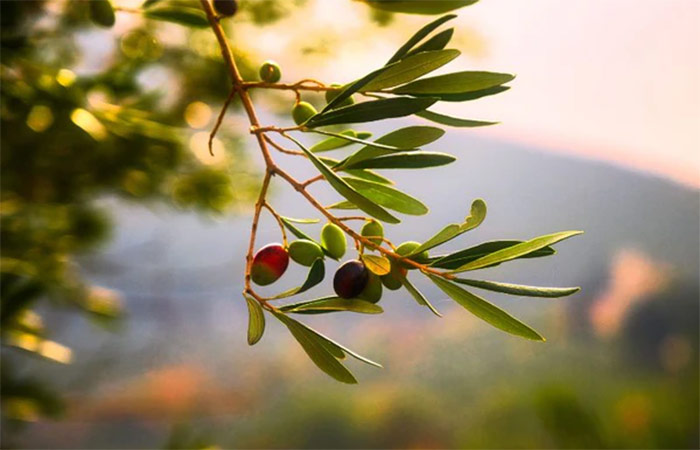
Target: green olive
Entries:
(330, 95)
(102, 13)
(302, 112)
(392, 280)
(407, 248)
(270, 72)
(305, 252)
(333, 240)
(373, 230)
(373, 290)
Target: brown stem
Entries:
(220, 119)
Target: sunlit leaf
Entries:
(414, 160)
(371, 111)
(191, 17)
(459, 258)
(342, 205)
(332, 304)
(485, 310)
(376, 264)
(356, 140)
(388, 197)
(316, 274)
(452, 121)
(519, 289)
(437, 42)
(477, 214)
(256, 321)
(418, 36)
(455, 83)
(302, 221)
(516, 251)
(410, 68)
(350, 89)
(418, 296)
(333, 142)
(428, 7)
(346, 190)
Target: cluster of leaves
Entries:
(400, 89)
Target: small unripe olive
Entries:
(269, 263)
(305, 252)
(333, 240)
(373, 230)
(330, 95)
(363, 135)
(373, 291)
(226, 8)
(392, 280)
(302, 112)
(407, 248)
(350, 279)
(270, 72)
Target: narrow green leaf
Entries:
(256, 321)
(455, 83)
(355, 140)
(302, 221)
(437, 42)
(452, 121)
(332, 142)
(332, 304)
(416, 38)
(415, 136)
(477, 214)
(425, 7)
(414, 160)
(369, 176)
(316, 274)
(317, 350)
(519, 289)
(191, 17)
(486, 311)
(457, 259)
(301, 235)
(102, 13)
(345, 190)
(388, 197)
(410, 68)
(342, 205)
(350, 89)
(385, 108)
(379, 265)
(516, 251)
(418, 296)
(465, 96)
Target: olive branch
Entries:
(394, 90)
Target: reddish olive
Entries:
(226, 8)
(269, 264)
(350, 279)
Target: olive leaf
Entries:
(464, 96)
(346, 190)
(350, 89)
(461, 257)
(418, 36)
(256, 321)
(476, 217)
(371, 111)
(367, 143)
(302, 221)
(516, 251)
(192, 17)
(387, 197)
(418, 296)
(316, 274)
(378, 265)
(332, 304)
(410, 68)
(369, 175)
(437, 42)
(485, 310)
(519, 289)
(452, 121)
(428, 7)
(413, 160)
(333, 142)
(455, 83)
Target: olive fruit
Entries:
(373, 230)
(392, 280)
(302, 112)
(407, 248)
(270, 72)
(226, 8)
(269, 263)
(102, 13)
(350, 279)
(333, 240)
(373, 291)
(305, 252)
(330, 95)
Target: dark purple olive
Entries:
(350, 279)
(226, 8)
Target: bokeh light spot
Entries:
(197, 114)
(40, 118)
(65, 77)
(199, 144)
